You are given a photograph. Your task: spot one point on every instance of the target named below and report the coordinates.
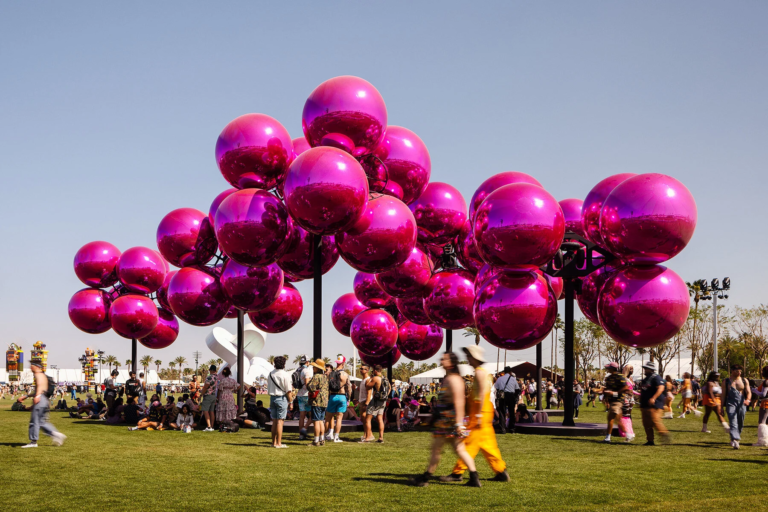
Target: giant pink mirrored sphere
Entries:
(388, 359)
(412, 309)
(326, 190)
(409, 278)
(466, 251)
(252, 227)
(251, 288)
(282, 314)
(643, 306)
(572, 213)
(96, 264)
(590, 209)
(519, 226)
(345, 108)
(344, 310)
(233, 312)
(449, 298)
(407, 161)
(486, 271)
(133, 316)
(590, 291)
(181, 240)
(162, 292)
(141, 270)
(374, 332)
(300, 145)
(254, 151)
(648, 219)
(382, 238)
(556, 283)
(495, 182)
(440, 213)
(217, 201)
(165, 332)
(89, 311)
(197, 297)
(368, 291)
(514, 310)
(299, 257)
(419, 342)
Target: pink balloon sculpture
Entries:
(590, 209)
(165, 332)
(185, 237)
(557, 285)
(346, 110)
(374, 332)
(449, 297)
(419, 342)
(95, 264)
(485, 273)
(89, 311)
(496, 182)
(519, 226)
(133, 316)
(300, 145)
(252, 227)
(368, 291)
(197, 297)
(282, 314)
(412, 308)
(572, 213)
(648, 219)
(326, 190)
(217, 201)
(409, 278)
(644, 306)
(466, 251)
(590, 290)
(388, 359)
(382, 238)
(299, 257)
(344, 310)
(515, 311)
(251, 288)
(141, 270)
(407, 161)
(440, 213)
(162, 292)
(254, 151)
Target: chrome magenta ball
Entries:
(233, 312)
(407, 161)
(300, 145)
(496, 182)
(590, 291)
(374, 332)
(89, 311)
(440, 213)
(419, 342)
(485, 272)
(643, 306)
(412, 309)
(326, 190)
(96, 264)
(165, 332)
(449, 298)
(254, 151)
(648, 219)
(252, 227)
(388, 359)
(344, 310)
(141, 270)
(409, 278)
(299, 257)
(217, 201)
(133, 316)
(162, 292)
(514, 310)
(572, 213)
(519, 226)
(368, 291)
(196, 297)
(251, 288)
(346, 110)
(185, 238)
(282, 314)
(382, 238)
(556, 283)
(590, 209)
(466, 251)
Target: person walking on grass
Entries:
(738, 396)
(380, 389)
(338, 384)
(615, 389)
(762, 420)
(301, 376)
(278, 387)
(712, 402)
(364, 396)
(688, 395)
(507, 391)
(44, 390)
(318, 400)
(652, 400)
(208, 406)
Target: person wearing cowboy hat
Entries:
(615, 388)
(318, 400)
(338, 390)
(652, 403)
(482, 437)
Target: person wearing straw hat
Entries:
(318, 400)
(482, 437)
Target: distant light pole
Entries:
(196, 354)
(100, 353)
(713, 292)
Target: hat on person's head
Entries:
(476, 351)
(612, 366)
(650, 365)
(303, 360)
(318, 363)
(507, 369)
(36, 363)
(341, 360)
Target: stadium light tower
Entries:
(712, 292)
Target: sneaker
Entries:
(697, 412)
(421, 480)
(501, 477)
(322, 442)
(58, 439)
(337, 440)
(649, 443)
(133, 428)
(208, 429)
(329, 437)
(630, 438)
(607, 439)
(726, 427)
(704, 430)
(315, 443)
(735, 445)
(30, 445)
(453, 477)
(682, 416)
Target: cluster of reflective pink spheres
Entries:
(357, 188)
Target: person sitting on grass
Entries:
(154, 420)
(392, 414)
(171, 411)
(258, 415)
(18, 405)
(131, 411)
(350, 413)
(523, 414)
(185, 420)
(410, 416)
(115, 413)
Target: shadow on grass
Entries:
(389, 478)
(12, 445)
(760, 462)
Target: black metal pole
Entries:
(240, 358)
(449, 340)
(538, 378)
(570, 369)
(317, 329)
(133, 355)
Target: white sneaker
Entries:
(630, 438)
(329, 437)
(682, 416)
(726, 427)
(337, 440)
(607, 439)
(58, 439)
(208, 429)
(697, 412)
(704, 429)
(30, 445)
(668, 416)
(735, 445)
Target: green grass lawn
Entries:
(104, 467)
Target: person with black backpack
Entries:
(381, 388)
(338, 391)
(44, 390)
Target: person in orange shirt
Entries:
(710, 397)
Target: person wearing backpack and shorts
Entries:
(299, 379)
(338, 390)
(44, 389)
(381, 389)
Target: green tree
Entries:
(157, 365)
(145, 362)
(180, 361)
(472, 331)
(110, 360)
(128, 362)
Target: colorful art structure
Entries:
(39, 354)
(14, 362)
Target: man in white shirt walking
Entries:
(278, 387)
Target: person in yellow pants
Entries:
(481, 438)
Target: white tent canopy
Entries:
(464, 369)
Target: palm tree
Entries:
(128, 362)
(472, 331)
(695, 290)
(157, 364)
(219, 362)
(117, 365)
(181, 361)
(296, 360)
(110, 360)
(559, 325)
(271, 360)
(145, 362)
(172, 366)
(327, 361)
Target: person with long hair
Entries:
(711, 400)
(449, 424)
(687, 391)
(669, 397)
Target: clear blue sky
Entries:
(109, 115)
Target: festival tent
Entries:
(519, 368)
